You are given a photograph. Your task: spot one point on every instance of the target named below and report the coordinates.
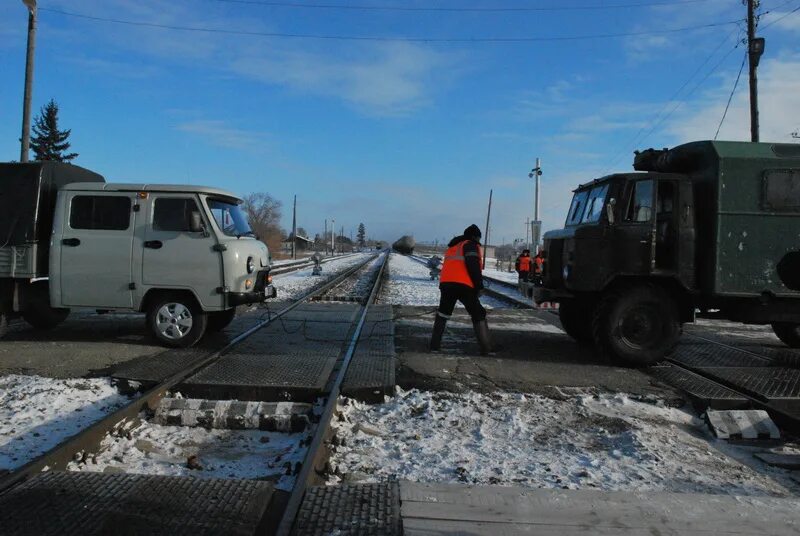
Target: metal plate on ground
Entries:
(355, 510)
(371, 373)
(778, 384)
(696, 352)
(704, 392)
(291, 358)
(742, 424)
(61, 503)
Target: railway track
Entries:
(282, 509)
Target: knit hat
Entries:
(473, 232)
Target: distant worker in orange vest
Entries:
(523, 267)
(461, 280)
(538, 268)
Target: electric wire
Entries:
(417, 9)
(376, 38)
(792, 12)
(736, 83)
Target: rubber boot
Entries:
(438, 330)
(482, 334)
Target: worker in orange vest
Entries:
(538, 267)
(461, 280)
(523, 267)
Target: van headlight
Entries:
(251, 265)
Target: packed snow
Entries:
(409, 283)
(294, 284)
(174, 450)
(581, 440)
(37, 413)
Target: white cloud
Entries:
(221, 134)
(784, 21)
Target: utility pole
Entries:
(527, 233)
(536, 224)
(755, 48)
(341, 241)
(486, 241)
(26, 99)
(333, 237)
(294, 228)
(325, 236)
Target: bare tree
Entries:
(264, 214)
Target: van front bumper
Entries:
(255, 296)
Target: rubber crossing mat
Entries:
(703, 392)
(59, 503)
(371, 373)
(290, 359)
(755, 339)
(696, 352)
(352, 509)
(779, 385)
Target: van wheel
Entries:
(219, 320)
(176, 320)
(637, 327)
(38, 312)
(576, 319)
(788, 333)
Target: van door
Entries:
(176, 257)
(634, 237)
(96, 248)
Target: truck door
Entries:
(176, 257)
(96, 250)
(635, 234)
(666, 243)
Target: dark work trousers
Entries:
(453, 292)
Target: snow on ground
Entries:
(409, 283)
(292, 285)
(726, 328)
(37, 413)
(608, 442)
(533, 326)
(165, 450)
(510, 277)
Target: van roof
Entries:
(134, 187)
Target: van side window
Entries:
(782, 190)
(100, 212)
(640, 207)
(173, 214)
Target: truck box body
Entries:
(27, 202)
(747, 210)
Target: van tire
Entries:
(638, 326)
(37, 311)
(576, 319)
(169, 314)
(788, 333)
(219, 320)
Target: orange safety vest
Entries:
(524, 264)
(539, 263)
(454, 269)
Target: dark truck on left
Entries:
(184, 255)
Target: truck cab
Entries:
(184, 255)
(704, 226)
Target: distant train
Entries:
(404, 245)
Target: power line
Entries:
(792, 12)
(730, 98)
(334, 37)
(506, 9)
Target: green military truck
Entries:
(709, 226)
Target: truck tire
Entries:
(576, 319)
(788, 333)
(3, 325)
(176, 320)
(636, 327)
(38, 312)
(219, 320)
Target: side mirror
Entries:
(610, 210)
(196, 223)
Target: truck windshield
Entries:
(587, 205)
(230, 218)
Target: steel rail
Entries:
(88, 439)
(308, 471)
(290, 267)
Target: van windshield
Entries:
(230, 218)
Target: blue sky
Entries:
(405, 136)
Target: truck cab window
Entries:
(577, 207)
(100, 212)
(173, 214)
(782, 190)
(640, 207)
(595, 203)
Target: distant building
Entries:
(302, 243)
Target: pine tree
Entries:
(49, 143)
(362, 232)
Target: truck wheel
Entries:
(219, 320)
(788, 333)
(576, 319)
(637, 327)
(176, 320)
(38, 312)
(3, 325)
